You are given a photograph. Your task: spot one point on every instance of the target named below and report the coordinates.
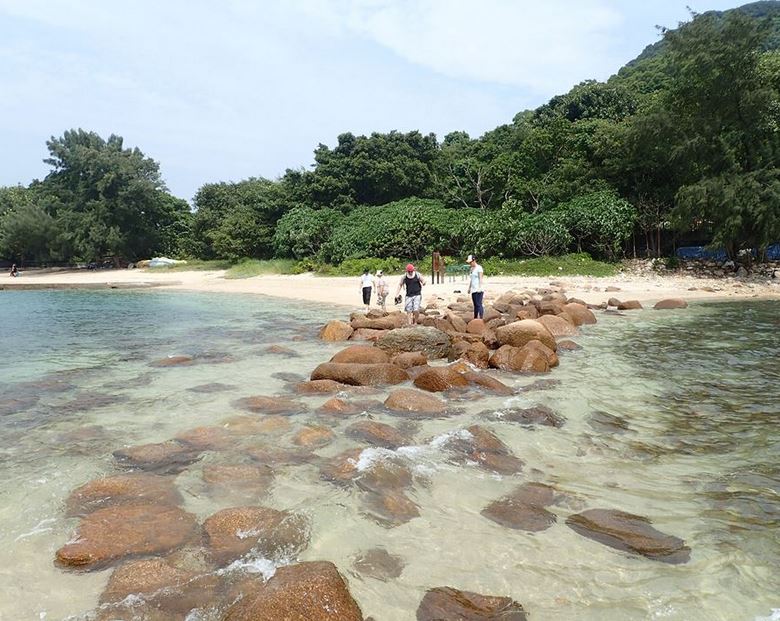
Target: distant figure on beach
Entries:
(382, 289)
(413, 281)
(475, 286)
(366, 285)
(14, 272)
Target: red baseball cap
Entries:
(410, 268)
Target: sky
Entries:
(231, 89)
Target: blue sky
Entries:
(221, 91)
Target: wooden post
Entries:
(435, 260)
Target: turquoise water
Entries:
(698, 452)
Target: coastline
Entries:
(345, 291)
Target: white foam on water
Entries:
(37, 529)
(371, 455)
(252, 564)
(773, 616)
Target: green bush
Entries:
(302, 231)
(254, 267)
(580, 264)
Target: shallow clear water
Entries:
(697, 389)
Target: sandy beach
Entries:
(647, 288)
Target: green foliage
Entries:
(580, 264)
(27, 232)
(254, 267)
(197, 265)
(302, 231)
(355, 267)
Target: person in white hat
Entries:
(382, 289)
(476, 275)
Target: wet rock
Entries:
(448, 604)
(541, 384)
(479, 445)
(439, 379)
(169, 457)
(207, 438)
(520, 359)
(360, 374)
(670, 303)
(232, 533)
(604, 422)
(339, 407)
(121, 489)
(518, 333)
(281, 350)
(270, 405)
(536, 415)
(313, 591)
(378, 434)
(408, 400)
(14, 405)
(580, 314)
(274, 456)
(336, 331)
(630, 533)
(85, 402)
(378, 323)
(211, 388)
(431, 342)
(407, 360)
(316, 387)
(557, 325)
(629, 305)
(367, 334)
(378, 564)
(160, 586)
(173, 361)
(116, 532)
(256, 425)
(477, 353)
(286, 376)
(389, 508)
(361, 354)
(342, 468)
(568, 345)
(242, 477)
(524, 508)
(487, 382)
(313, 436)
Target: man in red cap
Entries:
(413, 281)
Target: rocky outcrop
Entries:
(630, 533)
(526, 359)
(448, 604)
(477, 353)
(361, 354)
(313, 591)
(336, 331)
(579, 313)
(407, 360)
(557, 325)
(439, 379)
(431, 342)
(518, 333)
(360, 374)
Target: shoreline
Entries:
(345, 290)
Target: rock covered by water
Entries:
(431, 342)
(138, 488)
(449, 604)
(360, 374)
(524, 508)
(169, 457)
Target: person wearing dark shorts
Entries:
(366, 286)
(413, 282)
(475, 286)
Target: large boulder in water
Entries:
(408, 400)
(580, 313)
(448, 604)
(361, 354)
(116, 532)
(524, 508)
(439, 379)
(360, 374)
(170, 457)
(122, 489)
(631, 533)
(336, 331)
(557, 325)
(477, 444)
(518, 333)
(409, 359)
(430, 341)
(670, 303)
(233, 532)
(525, 359)
(313, 591)
(378, 434)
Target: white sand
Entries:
(346, 290)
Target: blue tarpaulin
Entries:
(718, 254)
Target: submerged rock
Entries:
(313, 591)
(173, 361)
(378, 434)
(233, 532)
(448, 604)
(211, 387)
(431, 342)
(524, 508)
(390, 508)
(408, 400)
(243, 477)
(379, 564)
(122, 489)
(360, 374)
(169, 457)
(670, 303)
(439, 379)
(270, 405)
(536, 415)
(630, 533)
(15, 405)
(479, 445)
(116, 532)
(322, 386)
(605, 422)
(207, 438)
(313, 436)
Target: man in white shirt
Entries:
(476, 289)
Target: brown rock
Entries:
(339, 407)
(161, 458)
(406, 360)
(256, 425)
(414, 401)
(342, 468)
(457, 322)
(313, 591)
(549, 354)
(361, 354)
(671, 303)
(378, 434)
(315, 387)
(630, 305)
(568, 345)
(336, 331)
(483, 380)
(390, 508)
(631, 533)
(270, 405)
(173, 361)
(438, 379)
(557, 326)
(367, 334)
(477, 353)
(378, 323)
(520, 359)
(313, 436)
(518, 333)
(122, 489)
(115, 532)
(206, 438)
(475, 326)
(233, 532)
(580, 314)
(360, 374)
(523, 509)
(445, 325)
(482, 446)
(448, 604)
(613, 302)
(275, 456)
(431, 342)
(378, 564)
(239, 477)
(536, 415)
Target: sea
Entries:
(671, 415)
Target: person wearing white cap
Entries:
(476, 274)
(382, 289)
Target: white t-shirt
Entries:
(474, 275)
(367, 280)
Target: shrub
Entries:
(302, 231)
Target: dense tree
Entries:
(27, 233)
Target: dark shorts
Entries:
(366, 295)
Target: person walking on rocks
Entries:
(366, 285)
(382, 289)
(413, 281)
(476, 288)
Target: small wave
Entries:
(773, 616)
